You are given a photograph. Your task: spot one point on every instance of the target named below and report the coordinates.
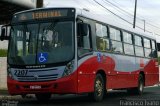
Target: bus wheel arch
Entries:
(140, 85)
(102, 72)
(99, 86)
(143, 75)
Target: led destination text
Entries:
(48, 14)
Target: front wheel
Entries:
(43, 97)
(99, 89)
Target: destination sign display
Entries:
(48, 14)
(43, 14)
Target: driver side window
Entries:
(83, 38)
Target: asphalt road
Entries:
(151, 97)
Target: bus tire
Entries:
(99, 89)
(140, 88)
(43, 97)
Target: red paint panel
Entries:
(116, 80)
(85, 83)
(60, 86)
(151, 73)
(88, 70)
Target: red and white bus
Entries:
(72, 51)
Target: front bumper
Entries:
(63, 85)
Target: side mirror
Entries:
(4, 33)
(83, 29)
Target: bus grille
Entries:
(38, 78)
(39, 74)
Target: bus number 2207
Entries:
(20, 72)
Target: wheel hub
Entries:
(99, 87)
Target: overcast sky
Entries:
(148, 10)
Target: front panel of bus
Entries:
(41, 54)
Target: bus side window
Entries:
(128, 43)
(83, 38)
(102, 38)
(154, 50)
(116, 40)
(147, 48)
(138, 46)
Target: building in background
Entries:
(9, 7)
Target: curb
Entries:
(157, 85)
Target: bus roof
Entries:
(113, 22)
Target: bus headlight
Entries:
(68, 69)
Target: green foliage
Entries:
(3, 53)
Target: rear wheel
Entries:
(99, 89)
(43, 97)
(138, 90)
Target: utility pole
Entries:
(135, 11)
(144, 25)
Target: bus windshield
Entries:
(41, 43)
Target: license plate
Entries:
(35, 87)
